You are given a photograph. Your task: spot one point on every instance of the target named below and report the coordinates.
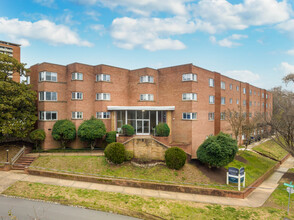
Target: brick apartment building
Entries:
(191, 100)
(12, 50)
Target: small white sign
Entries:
(290, 190)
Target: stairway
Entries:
(23, 162)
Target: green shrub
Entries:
(128, 130)
(111, 136)
(217, 151)
(90, 130)
(175, 158)
(37, 136)
(162, 130)
(115, 152)
(129, 155)
(64, 131)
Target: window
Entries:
(211, 82)
(266, 96)
(211, 116)
(258, 93)
(48, 96)
(189, 116)
(237, 88)
(77, 115)
(254, 92)
(263, 104)
(262, 95)
(223, 100)
(103, 77)
(189, 77)
(146, 97)
(250, 103)
(223, 116)
(47, 76)
(77, 76)
(103, 115)
(102, 96)
(77, 95)
(223, 85)
(231, 86)
(231, 101)
(47, 116)
(189, 96)
(244, 90)
(244, 102)
(146, 79)
(266, 105)
(250, 92)
(237, 101)
(211, 99)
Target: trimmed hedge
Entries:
(217, 151)
(128, 130)
(129, 155)
(162, 130)
(175, 158)
(115, 152)
(111, 137)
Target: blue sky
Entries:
(249, 40)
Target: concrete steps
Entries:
(23, 162)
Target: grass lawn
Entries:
(271, 149)
(136, 206)
(255, 166)
(13, 150)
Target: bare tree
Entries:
(289, 78)
(236, 119)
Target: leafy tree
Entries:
(162, 130)
(217, 151)
(64, 131)
(38, 136)
(110, 136)
(90, 130)
(9, 65)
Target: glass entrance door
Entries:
(143, 123)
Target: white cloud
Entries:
(47, 3)
(93, 15)
(41, 30)
(287, 27)
(228, 41)
(290, 52)
(243, 75)
(286, 68)
(150, 33)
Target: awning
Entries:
(146, 108)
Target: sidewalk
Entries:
(256, 199)
(89, 153)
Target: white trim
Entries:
(147, 108)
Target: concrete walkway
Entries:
(256, 199)
(87, 153)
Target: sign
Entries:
(242, 170)
(235, 175)
(233, 171)
(290, 190)
(290, 185)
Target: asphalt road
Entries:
(34, 210)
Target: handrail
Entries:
(18, 155)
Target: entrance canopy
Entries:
(146, 108)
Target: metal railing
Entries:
(18, 155)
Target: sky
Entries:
(248, 40)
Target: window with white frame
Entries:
(244, 102)
(266, 96)
(47, 76)
(211, 82)
(103, 77)
(231, 101)
(237, 88)
(102, 96)
(237, 101)
(223, 116)
(250, 92)
(146, 79)
(47, 96)
(189, 96)
(231, 86)
(146, 97)
(47, 115)
(223, 100)
(266, 105)
(77, 115)
(262, 95)
(263, 104)
(77, 76)
(211, 116)
(189, 116)
(250, 103)
(211, 99)
(189, 77)
(244, 90)
(103, 115)
(77, 95)
(223, 85)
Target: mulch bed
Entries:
(241, 159)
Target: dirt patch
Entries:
(289, 176)
(147, 162)
(217, 175)
(241, 159)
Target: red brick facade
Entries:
(125, 90)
